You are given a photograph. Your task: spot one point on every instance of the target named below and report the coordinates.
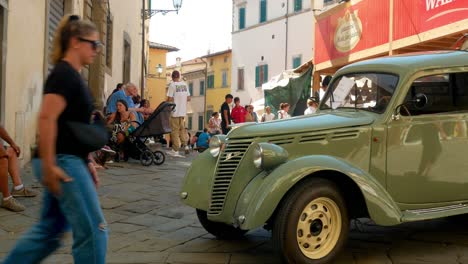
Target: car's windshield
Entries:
(367, 91)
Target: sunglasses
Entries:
(95, 44)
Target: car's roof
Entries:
(410, 62)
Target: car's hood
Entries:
(322, 121)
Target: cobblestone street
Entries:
(148, 224)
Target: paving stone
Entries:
(177, 212)
(146, 220)
(201, 258)
(173, 225)
(253, 259)
(112, 217)
(5, 212)
(421, 252)
(372, 258)
(16, 223)
(140, 207)
(106, 181)
(7, 245)
(59, 259)
(125, 172)
(185, 234)
(136, 257)
(151, 245)
(108, 203)
(126, 196)
(197, 245)
(124, 228)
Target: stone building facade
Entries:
(26, 33)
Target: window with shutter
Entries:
(263, 11)
(241, 18)
(210, 83)
(200, 121)
(297, 5)
(202, 87)
(225, 77)
(261, 75)
(297, 61)
(190, 88)
(190, 120)
(257, 76)
(56, 12)
(109, 37)
(240, 79)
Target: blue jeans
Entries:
(76, 208)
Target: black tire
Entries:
(300, 235)
(146, 158)
(219, 230)
(158, 157)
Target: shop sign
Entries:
(348, 31)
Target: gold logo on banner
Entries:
(348, 32)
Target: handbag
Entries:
(91, 137)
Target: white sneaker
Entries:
(174, 153)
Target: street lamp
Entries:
(159, 69)
(148, 13)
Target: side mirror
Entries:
(420, 100)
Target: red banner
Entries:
(366, 24)
(352, 29)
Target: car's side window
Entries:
(436, 94)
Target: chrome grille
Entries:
(228, 162)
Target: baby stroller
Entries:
(156, 125)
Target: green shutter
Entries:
(265, 73)
(297, 5)
(200, 123)
(262, 11)
(190, 122)
(297, 61)
(202, 87)
(211, 81)
(190, 87)
(241, 18)
(257, 76)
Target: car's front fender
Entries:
(198, 181)
(264, 193)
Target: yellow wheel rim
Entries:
(318, 228)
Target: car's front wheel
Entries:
(312, 223)
(219, 230)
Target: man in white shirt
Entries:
(268, 115)
(312, 106)
(179, 94)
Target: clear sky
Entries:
(201, 25)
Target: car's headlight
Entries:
(258, 156)
(216, 144)
(267, 156)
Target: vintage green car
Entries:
(387, 143)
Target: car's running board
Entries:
(435, 212)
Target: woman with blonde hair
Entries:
(70, 198)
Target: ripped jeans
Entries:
(77, 208)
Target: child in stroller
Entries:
(135, 145)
